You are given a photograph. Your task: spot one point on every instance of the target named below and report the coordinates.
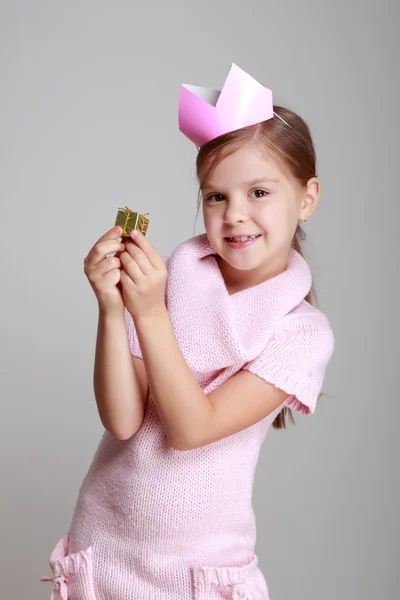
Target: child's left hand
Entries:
(143, 277)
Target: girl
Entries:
(195, 360)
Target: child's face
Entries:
(247, 194)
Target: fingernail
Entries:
(134, 232)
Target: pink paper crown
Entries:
(205, 114)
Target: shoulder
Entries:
(187, 257)
(297, 355)
(196, 246)
(182, 249)
(309, 324)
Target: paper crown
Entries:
(205, 114)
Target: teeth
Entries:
(243, 238)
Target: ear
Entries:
(310, 198)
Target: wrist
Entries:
(153, 315)
(111, 314)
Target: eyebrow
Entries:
(247, 183)
(262, 180)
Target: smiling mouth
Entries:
(243, 238)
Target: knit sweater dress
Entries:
(155, 523)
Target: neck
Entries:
(237, 280)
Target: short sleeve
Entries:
(296, 358)
(132, 335)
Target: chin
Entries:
(249, 264)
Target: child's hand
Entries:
(104, 273)
(143, 277)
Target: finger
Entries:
(97, 273)
(101, 250)
(108, 264)
(139, 257)
(111, 234)
(131, 267)
(143, 243)
(109, 281)
(126, 281)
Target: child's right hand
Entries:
(104, 273)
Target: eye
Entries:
(215, 198)
(258, 194)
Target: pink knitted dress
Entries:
(155, 523)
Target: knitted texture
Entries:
(155, 523)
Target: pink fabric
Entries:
(72, 573)
(160, 524)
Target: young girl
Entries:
(195, 360)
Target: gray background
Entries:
(88, 122)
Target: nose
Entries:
(235, 213)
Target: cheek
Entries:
(271, 216)
(279, 219)
(212, 218)
(208, 222)
(211, 227)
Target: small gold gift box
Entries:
(129, 220)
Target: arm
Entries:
(120, 383)
(191, 418)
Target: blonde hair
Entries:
(290, 143)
